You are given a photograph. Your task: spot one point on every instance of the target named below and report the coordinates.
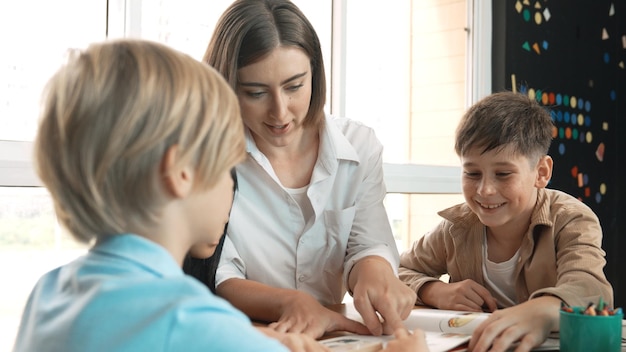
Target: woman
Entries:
(308, 221)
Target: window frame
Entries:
(16, 162)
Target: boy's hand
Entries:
(294, 341)
(528, 323)
(406, 342)
(466, 295)
(377, 290)
(304, 314)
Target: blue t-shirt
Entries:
(128, 294)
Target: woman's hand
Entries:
(302, 313)
(377, 290)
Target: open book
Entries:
(445, 330)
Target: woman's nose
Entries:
(279, 105)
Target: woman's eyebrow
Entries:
(256, 84)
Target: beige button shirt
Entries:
(561, 254)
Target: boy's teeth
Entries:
(490, 206)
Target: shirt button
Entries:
(302, 278)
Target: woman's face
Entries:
(275, 94)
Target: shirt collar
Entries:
(461, 214)
(542, 215)
(334, 143)
(334, 146)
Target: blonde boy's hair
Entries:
(506, 119)
(108, 117)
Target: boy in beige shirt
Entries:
(513, 248)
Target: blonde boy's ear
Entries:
(178, 180)
(544, 171)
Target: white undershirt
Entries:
(500, 277)
(299, 195)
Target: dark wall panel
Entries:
(570, 55)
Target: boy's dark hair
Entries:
(506, 118)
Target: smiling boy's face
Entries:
(500, 186)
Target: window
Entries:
(404, 73)
(35, 41)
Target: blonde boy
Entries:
(514, 247)
(135, 144)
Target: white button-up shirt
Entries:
(270, 241)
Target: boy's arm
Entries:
(428, 259)
(424, 262)
(294, 341)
